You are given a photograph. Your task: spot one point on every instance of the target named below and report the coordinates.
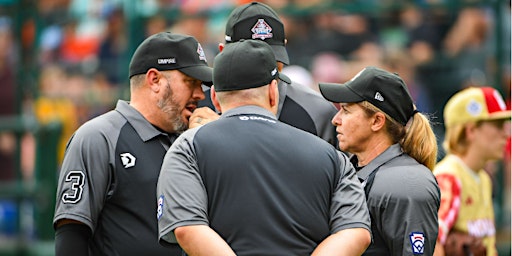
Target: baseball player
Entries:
(107, 183)
(394, 150)
(248, 184)
(476, 134)
(298, 105)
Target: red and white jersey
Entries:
(466, 201)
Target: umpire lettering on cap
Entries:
(107, 183)
(248, 184)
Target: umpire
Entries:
(298, 105)
(251, 185)
(106, 192)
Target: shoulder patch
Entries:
(160, 207)
(76, 179)
(417, 242)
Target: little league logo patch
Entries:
(160, 207)
(417, 242)
(261, 30)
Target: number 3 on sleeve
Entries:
(76, 178)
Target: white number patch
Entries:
(77, 179)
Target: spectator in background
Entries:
(7, 98)
(113, 48)
(54, 104)
(476, 133)
(467, 43)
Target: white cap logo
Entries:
(273, 72)
(474, 108)
(200, 51)
(261, 30)
(379, 97)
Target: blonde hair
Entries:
(417, 138)
(455, 141)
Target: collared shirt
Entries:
(467, 204)
(403, 201)
(265, 187)
(303, 108)
(108, 182)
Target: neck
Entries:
(374, 149)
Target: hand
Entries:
(202, 116)
(458, 243)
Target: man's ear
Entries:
(215, 102)
(274, 94)
(153, 77)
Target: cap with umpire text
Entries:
(168, 51)
(243, 65)
(258, 21)
(385, 90)
(475, 104)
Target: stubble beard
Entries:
(172, 110)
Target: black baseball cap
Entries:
(243, 65)
(258, 21)
(169, 51)
(385, 90)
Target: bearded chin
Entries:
(171, 109)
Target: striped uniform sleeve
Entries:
(450, 187)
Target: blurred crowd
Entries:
(73, 55)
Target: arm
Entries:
(72, 238)
(439, 249)
(450, 202)
(353, 241)
(77, 189)
(201, 240)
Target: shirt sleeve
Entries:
(348, 205)
(84, 178)
(182, 198)
(404, 208)
(450, 187)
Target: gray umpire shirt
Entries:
(403, 201)
(303, 108)
(108, 182)
(265, 187)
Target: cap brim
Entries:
(284, 78)
(203, 73)
(339, 93)
(499, 115)
(281, 54)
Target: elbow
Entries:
(180, 233)
(366, 238)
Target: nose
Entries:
(336, 120)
